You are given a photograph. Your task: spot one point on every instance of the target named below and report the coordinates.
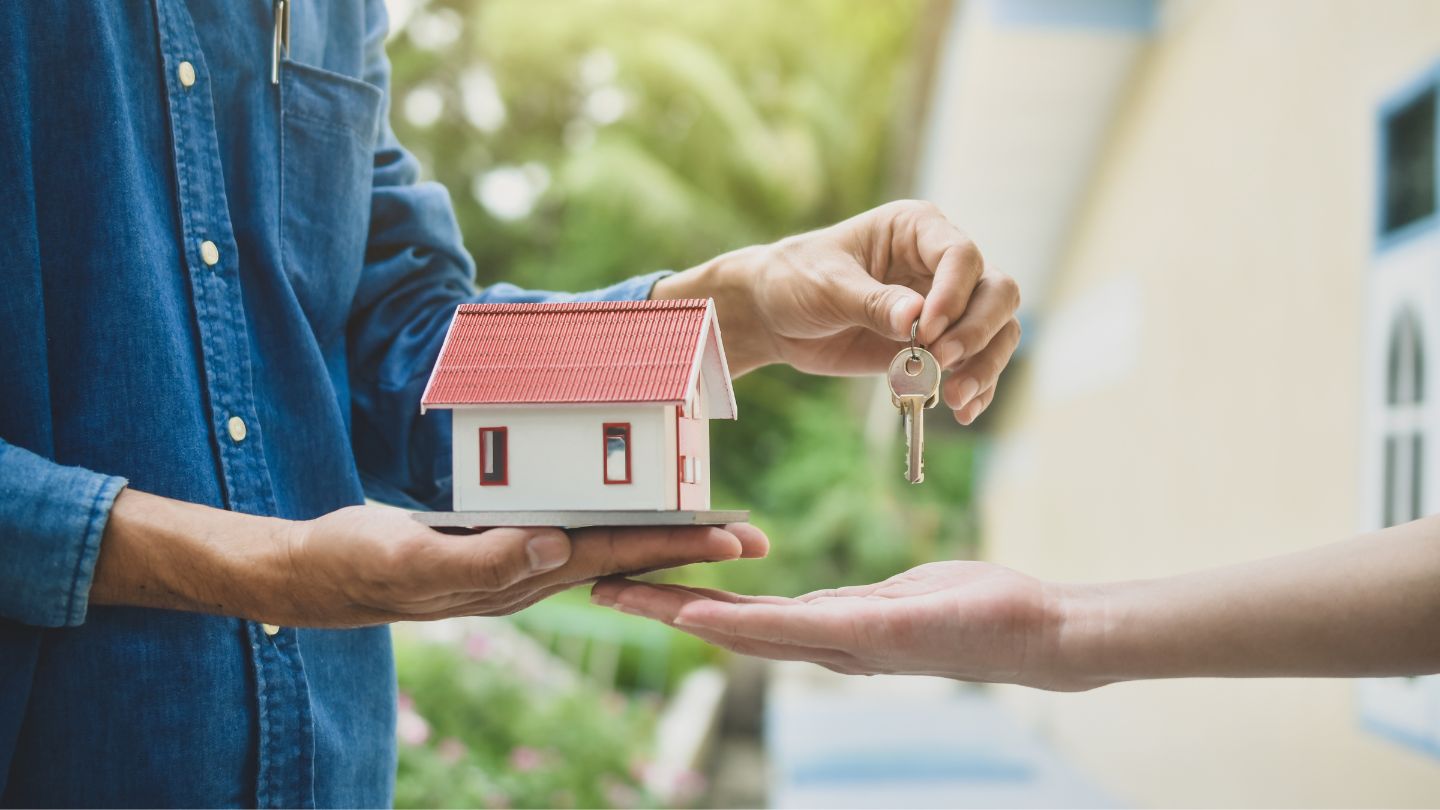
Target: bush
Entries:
(480, 731)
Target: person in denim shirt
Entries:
(223, 288)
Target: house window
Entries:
(687, 470)
(617, 452)
(1409, 165)
(1399, 417)
(1402, 493)
(494, 457)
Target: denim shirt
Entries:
(230, 292)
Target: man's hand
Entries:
(841, 300)
(371, 564)
(967, 620)
(368, 564)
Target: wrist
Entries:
(162, 553)
(730, 279)
(1079, 618)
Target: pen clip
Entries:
(280, 38)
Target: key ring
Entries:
(914, 333)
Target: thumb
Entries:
(886, 309)
(505, 557)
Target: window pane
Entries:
(1387, 495)
(617, 454)
(1417, 475)
(493, 456)
(1410, 163)
(1405, 367)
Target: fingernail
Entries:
(966, 392)
(547, 551)
(601, 600)
(898, 315)
(632, 611)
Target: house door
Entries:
(693, 464)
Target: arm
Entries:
(365, 564)
(51, 521)
(1364, 607)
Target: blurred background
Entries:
(1223, 215)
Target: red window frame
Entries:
(504, 459)
(605, 452)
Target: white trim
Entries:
(476, 406)
(449, 330)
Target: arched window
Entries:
(1403, 495)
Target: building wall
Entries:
(556, 458)
(1192, 394)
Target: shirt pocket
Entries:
(328, 129)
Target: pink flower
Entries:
(525, 759)
(619, 794)
(411, 729)
(405, 702)
(451, 750)
(688, 786)
(477, 646)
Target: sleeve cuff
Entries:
(51, 520)
(631, 289)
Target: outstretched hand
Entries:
(970, 621)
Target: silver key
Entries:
(914, 386)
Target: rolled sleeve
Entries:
(51, 521)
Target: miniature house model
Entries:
(582, 406)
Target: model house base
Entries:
(582, 519)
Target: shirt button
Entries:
(236, 426)
(209, 253)
(269, 629)
(187, 74)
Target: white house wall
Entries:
(556, 458)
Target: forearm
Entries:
(1364, 607)
(748, 346)
(162, 553)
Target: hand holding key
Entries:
(914, 379)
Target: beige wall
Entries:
(1191, 397)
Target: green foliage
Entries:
(481, 732)
(632, 135)
(636, 655)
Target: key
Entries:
(914, 386)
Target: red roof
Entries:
(609, 351)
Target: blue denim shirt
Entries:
(221, 290)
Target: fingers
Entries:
(976, 407)
(980, 373)
(837, 660)
(601, 552)
(991, 309)
(957, 265)
(491, 560)
(607, 591)
(886, 309)
(667, 603)
(789, 622)
(753, 542)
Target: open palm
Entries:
(971, 621)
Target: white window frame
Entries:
(1402, 282)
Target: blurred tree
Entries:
(593, 139)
